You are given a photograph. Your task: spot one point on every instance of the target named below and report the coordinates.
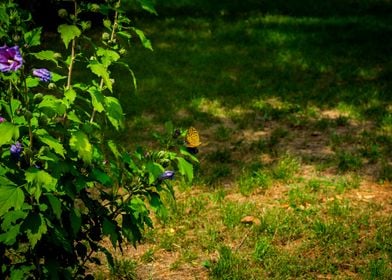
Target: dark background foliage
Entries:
(45, 11)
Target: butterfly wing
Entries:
(192, 138)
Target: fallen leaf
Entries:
(251, 220)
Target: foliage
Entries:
(64, 183)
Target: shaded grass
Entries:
(303, 61)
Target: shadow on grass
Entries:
(305, 61)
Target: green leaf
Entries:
(113, 147)
(7, 132)
(46, 55)
(9, 237)
(52, 105)
(108, 254)
(76, 220)
(4, 14)
(15, 104)
(140, 212)
(5, 181)
(147, 5)
(56, 77)
(55, 203)
(39, 179)
(68, 33)
(184, 152)
(35, 226)
(33, 37)
(73, 117)
(97, 99)
(107, 56)
(114, 112)
(130, 71)
(11, 217)
(11, 196)
(102, 177)
(154, 171)
(101, 71)
(130, 229)
(185, 168)
(21, 272)
(109, 228)
(143, 39)
(80, 143)
(52, 142)
(61, 238)
(158, 207)
(32, 82)
(125, 34)
(70, 96)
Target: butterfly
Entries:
(192, 140)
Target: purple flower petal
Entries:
(16, 149)
(2, 119)
(168, 174)
(43, 74)
(10, 59)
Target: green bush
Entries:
(64, 183)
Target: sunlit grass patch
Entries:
(254, 181)
(286, 168)
(231, 266)
(233, 212)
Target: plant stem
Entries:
(27, 101)
(71, 63)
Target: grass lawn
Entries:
(295, 116)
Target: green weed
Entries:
(286, 168)
(223, 133)
(263, 248)
(348, 161)
(347, 183)
(230, 266)
(124, 269)
(148, 256)
(233, 212)
(258, 180)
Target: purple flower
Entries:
(10, 59)
(43, 74)
(16, 149)
(2, 119)
(166, 175)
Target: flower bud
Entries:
(62, 13)
(38, 97)
(28, 152)
(86, 25)
(105, 36)
(16, 38)
(52, 86)
(122, 51)
(95, 8)
(43, 74)
(28, 115)
(43, 120)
